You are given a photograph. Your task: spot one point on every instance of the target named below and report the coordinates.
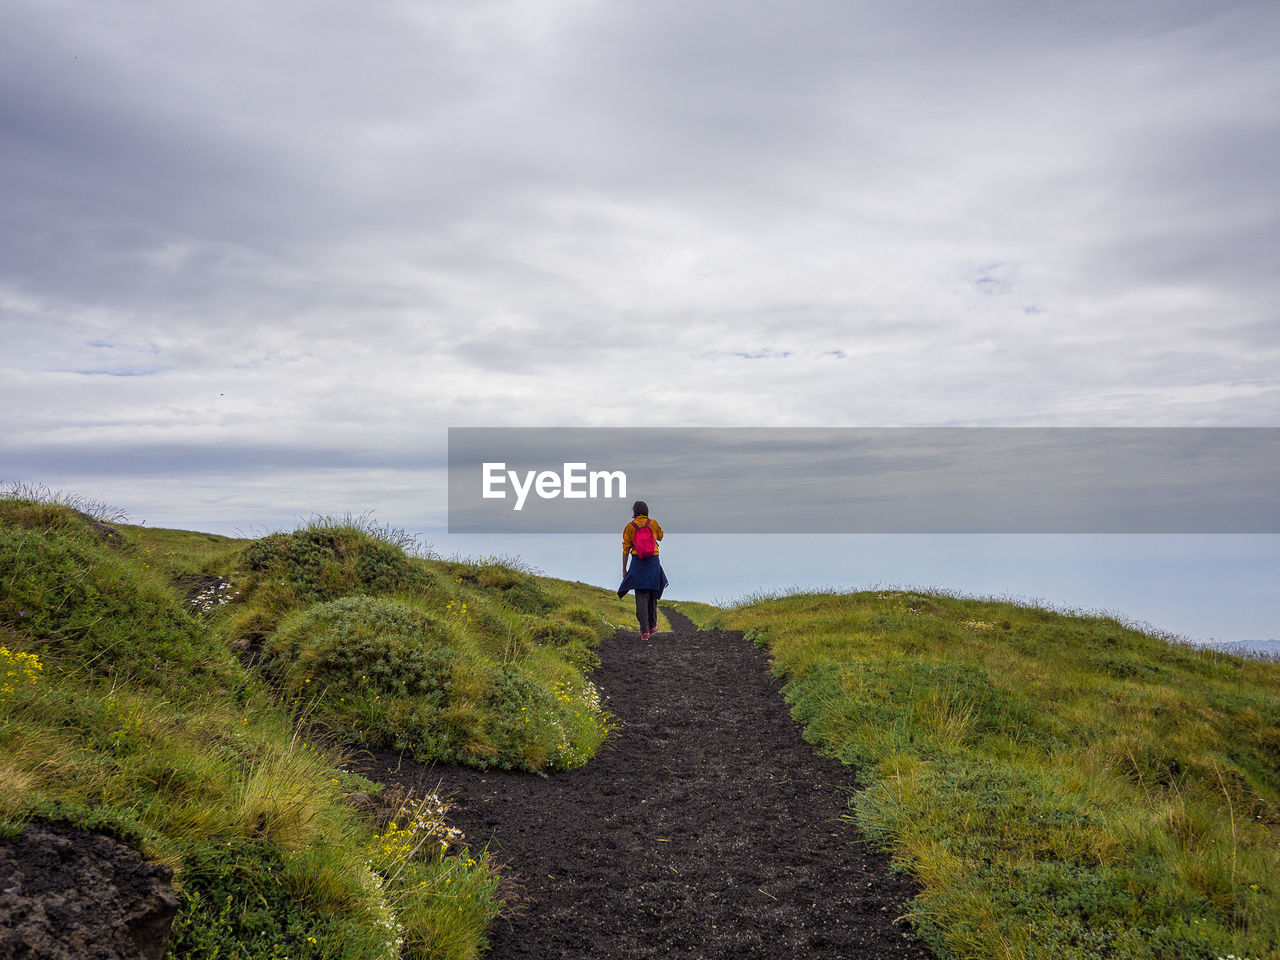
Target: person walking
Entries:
(640, 547)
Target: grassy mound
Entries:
(329, 560)
(97, 609)
(439, 679)
(365, 646)
(1062, 786)
(445, 660)
(123, 708)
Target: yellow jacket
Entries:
(629, 534)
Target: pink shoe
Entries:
(644, 636)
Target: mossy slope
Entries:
(1063, 786)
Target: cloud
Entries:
(344, 228)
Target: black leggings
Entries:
(647, 610)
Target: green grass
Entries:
(125, 708)
(100, 609)
(1062, 786)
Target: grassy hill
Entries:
(1063, 786)
(195, 696)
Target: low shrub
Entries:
(324, 562)
(382, 673)
(366, 645)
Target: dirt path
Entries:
(706, 828)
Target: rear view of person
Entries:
(640, 547)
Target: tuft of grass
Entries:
(1061, 785)
(397, 537)
(441, 900)
(38, 494)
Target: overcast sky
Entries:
(255, 258)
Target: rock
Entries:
(67, 894)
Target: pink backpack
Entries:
(644, 544)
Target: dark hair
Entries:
(639, 509)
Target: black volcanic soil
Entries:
(705, 828)
(67, 894)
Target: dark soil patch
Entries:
(706, 828)
(67, 894)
